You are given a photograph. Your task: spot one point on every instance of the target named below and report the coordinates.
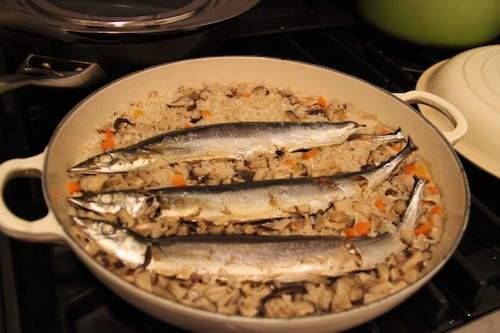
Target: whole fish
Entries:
(249, 257)
(243, 202)
(227, 140)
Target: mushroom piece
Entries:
(183, 101)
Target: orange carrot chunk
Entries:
(108, 142)
(206, 113)
(108, 145)
(322, 102)
(437, 210)
(423, 229)
(73, 187)
(138, 113)
(360, 229)
(380, 204)
(432, 189)
(178, 180)
(310, 153)
(421, 171)
(108, 135)
(396, 148)
(418, 170)
(410, 169)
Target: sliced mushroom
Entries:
(121, 121)
(315, 109)
(260, 90)
(183, 101)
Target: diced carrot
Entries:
(410, 169)
(418, 170)
(288, 162)
(310, 153)
(360, 229)
(108, 135)
(108, 145)
(108, 142)
(247, 95)
(421, 171)
(322, 101)
(431, 189)
(380, 204)
(178, 180)
(206, 113)
(138, 113)
(385, 132)
(350, 233)
(396, 148)
(188, 126)
(437, 210)
(73, 187)
(363, 228)
(423, 229)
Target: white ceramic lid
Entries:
(471, 82)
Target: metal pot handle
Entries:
(45, 229)
(52, 72)
(443, 106)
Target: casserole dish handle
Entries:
(45, 229)
(446, 108)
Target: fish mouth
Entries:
(86, 167)
(91, 206)
(82, 169)
(76, 201)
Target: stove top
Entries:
(45, 288)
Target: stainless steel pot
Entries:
(122, 36)
(63, 149)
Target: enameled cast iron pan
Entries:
(392, 109)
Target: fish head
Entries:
(114, 240)
(108, 162)
(112, 202)
(97, 230)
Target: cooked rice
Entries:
(212, 103)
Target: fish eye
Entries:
(105, 199)
(106, 159)
(108, 229)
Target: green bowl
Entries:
(441, 23)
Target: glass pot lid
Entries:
(131, 16)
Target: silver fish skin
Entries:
(219, 141)
(396, 136)
(243, 202)
(253, 258)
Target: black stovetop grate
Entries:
(44, 288)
